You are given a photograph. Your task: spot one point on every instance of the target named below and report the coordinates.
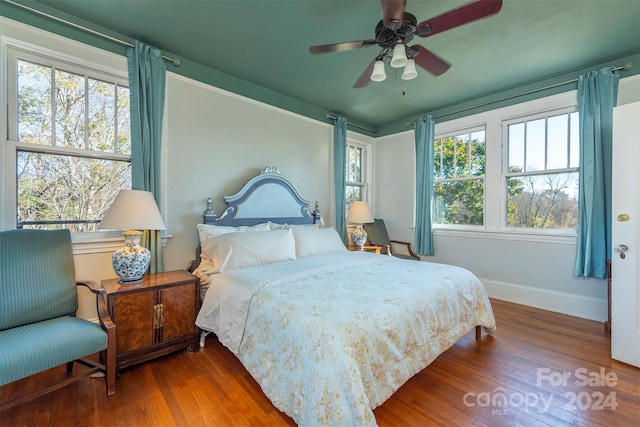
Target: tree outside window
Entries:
(73, 144)
(459, 168)
(542, 172)
(355, 175)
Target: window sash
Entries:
(460, 210)
(14, 53)
(362, 185)
(532, 174)
(572, 143)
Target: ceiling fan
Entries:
(397, 28)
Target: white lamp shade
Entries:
(399, 58)
(133, 209)
(359, 213)
(410, 72)
(378, 73)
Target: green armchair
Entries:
(379, 236)
(38, 302)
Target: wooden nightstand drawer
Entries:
(154, 316)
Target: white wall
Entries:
(216, 141)
(530, 269)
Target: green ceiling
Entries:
(259, 49)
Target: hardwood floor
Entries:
(512, 379)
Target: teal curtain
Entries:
(147, 74)
(424, 135)
(597, 95)
(340, 171)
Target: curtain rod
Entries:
(329, 116)
(462, 110)
(174, 61)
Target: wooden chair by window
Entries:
(39, 329)
(378, 235)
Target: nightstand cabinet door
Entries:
(179, 311)
(133, 315)
(154, 316)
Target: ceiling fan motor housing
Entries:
(387, 38)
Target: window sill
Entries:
(567, 237)
(90, 243)
(563, 237)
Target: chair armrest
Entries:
(105, 320)
(91, 285)
(103, 314)
(386, 248)
(408, 245)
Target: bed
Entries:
(328, 334)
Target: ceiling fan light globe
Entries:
(410, 71)
(378, 73)
(399, 58)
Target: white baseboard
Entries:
(574, 305)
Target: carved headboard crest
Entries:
(267, 196)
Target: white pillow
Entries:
(276, 226)
(206, 231)
(202, 273)
(231, 251)
(317, 241)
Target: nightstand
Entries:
(154, 316)
(366, 248)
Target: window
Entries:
(541, 175)
(69, 124)
(459, 168)
(356, 174)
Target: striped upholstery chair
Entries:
(379, 236)
(38, 302)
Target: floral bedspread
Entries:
(331, 340)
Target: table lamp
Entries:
(132, 210)
(359, 214)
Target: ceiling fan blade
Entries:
(339, 47)
(429, 60)
(454, 18)
(393, 13)
(364, 79)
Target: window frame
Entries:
(454, 132)
(11, 51)
(364, 184)
(492, 118)
(505, 175)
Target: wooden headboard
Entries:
(267, 196)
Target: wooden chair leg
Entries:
(110, 366)
(478, 332)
